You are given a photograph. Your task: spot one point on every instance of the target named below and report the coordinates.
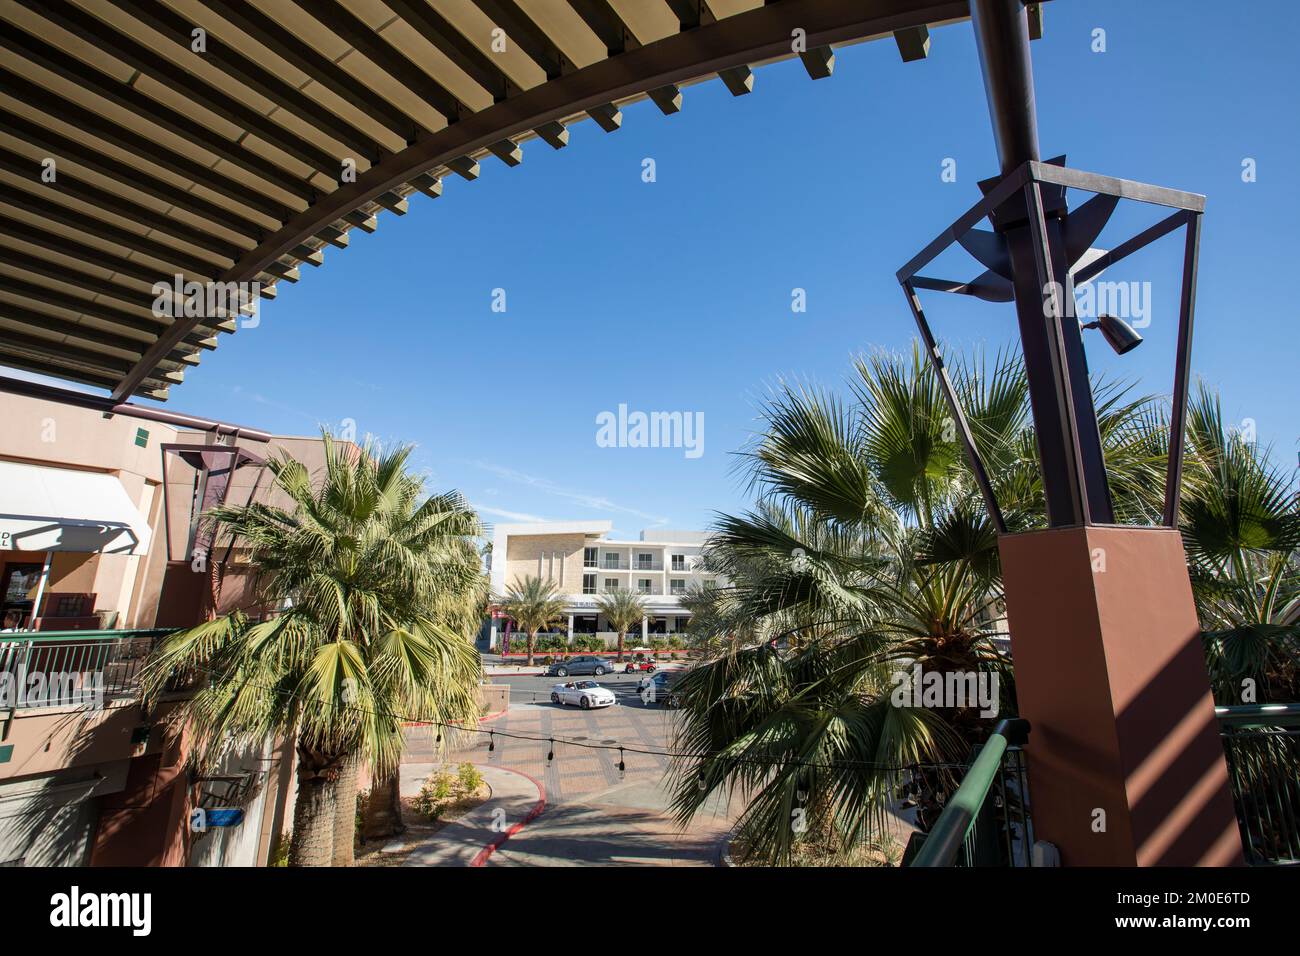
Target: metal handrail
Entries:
(1261, 744)
(950, 831)
(150, 632)
(75, 667)
(1259, 715)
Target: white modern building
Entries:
(585, 563)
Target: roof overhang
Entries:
(154, 190)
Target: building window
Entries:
(645, 562)
(678, 586)
(588, 557)
(643, 585)
(611, 560)
(679, 562)
(611, 584)
(589, 584)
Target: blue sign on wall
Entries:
(202, 819)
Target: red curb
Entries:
(487, 851)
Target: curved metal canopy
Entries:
(234, 141)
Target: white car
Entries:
(585, 693)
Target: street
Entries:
(594, 814)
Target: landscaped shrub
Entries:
(469, 778)
(444, 790)
(434, 795)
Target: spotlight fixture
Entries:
(1120, 336)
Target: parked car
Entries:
(582, 664)
(585, 693)
(657, 688)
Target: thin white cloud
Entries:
(548, 487)
(509, 515)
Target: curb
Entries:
(482, 856)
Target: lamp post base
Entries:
(1126, 766)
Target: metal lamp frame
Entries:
(1027, 182)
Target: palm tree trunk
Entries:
(620, 645)
(532, 637)
(382, 816)
(312, 843)
(345, 812)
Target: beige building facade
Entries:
(584, 562)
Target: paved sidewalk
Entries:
(623, 826)
(514, 800)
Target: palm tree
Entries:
(624, 610)
(1241, 527)
(534, 605)
(867, 553)
(366, 568)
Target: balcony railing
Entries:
(622, 564)
(1262, 746)
(1261, 743)
(72, 668)
(986, 822)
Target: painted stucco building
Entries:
(98, 537)
(583, 562)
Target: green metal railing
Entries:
(1262, 745)
(989, 812)
(61, 668)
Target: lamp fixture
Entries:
(1119, 335)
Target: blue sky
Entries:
(675, 295)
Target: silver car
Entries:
(582, 664)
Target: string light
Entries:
(550, 754)
(726, 757)
(622, 767)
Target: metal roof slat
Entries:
(348, 27)
(530, 38)
(34, 293)
(289, 47)
(67, 184)
(149, 62)
(460, 50)
(65, 216)
(134, 143)
(56, 144)
(243, 70)
(128, 98)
